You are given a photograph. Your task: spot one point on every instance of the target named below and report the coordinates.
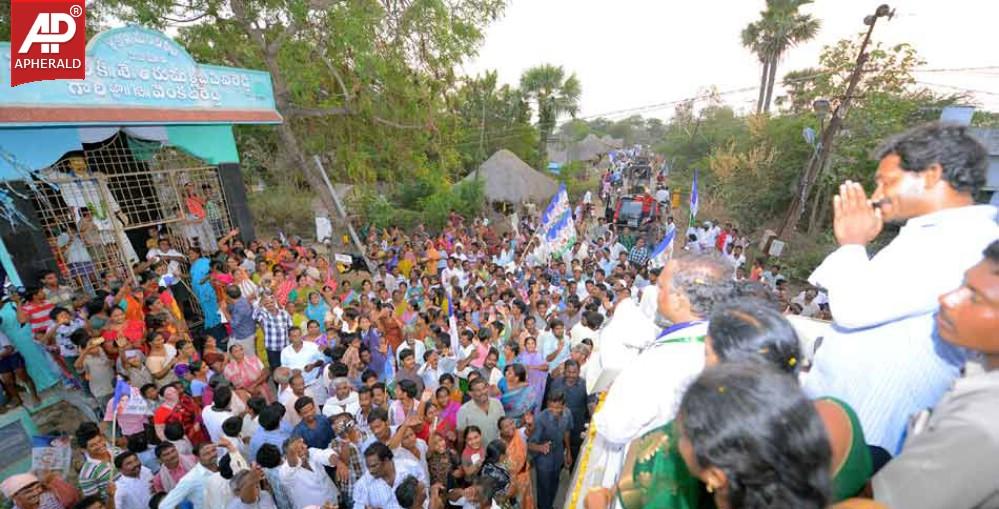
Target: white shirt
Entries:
(134, 492)
(309, 487)
(375, 492)
(203, 488)
(646, 395)
(580, 332)
(173, 266)
(884, 358)
(336, 406)
(265, 501)
(403, 453)
(549, 344)
(418, 349)
(297, 360)
(649, 303)
(627, 333)
(213, 420)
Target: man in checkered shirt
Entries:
(348, 463)
(275, 321)
(639, 255)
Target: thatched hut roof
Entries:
(508, 179)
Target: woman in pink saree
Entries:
(247, 374)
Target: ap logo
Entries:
(47, 40)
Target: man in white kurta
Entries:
(885, 359)
(304, 475)
(645, 395)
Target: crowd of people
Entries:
(470, 372)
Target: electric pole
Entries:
(815, 164)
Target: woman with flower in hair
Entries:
(655, 476)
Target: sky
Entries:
(636, 53)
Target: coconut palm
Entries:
(779, 28)
(553, 95)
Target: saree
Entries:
(205, 291)
(535, 377)
(449, 413)
(654, 475)
(38, 364)
(517, 402)
(317, 312)
(516, 462)
(243, 373)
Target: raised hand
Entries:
(855, 219)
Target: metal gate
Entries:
(102, 208)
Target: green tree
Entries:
(491, 118)
(780, 27)
(361, 82)
(553, 95)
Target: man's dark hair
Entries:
(257, 404)
(378, 414)
(405, 353)
(222, 398)
(368, 374)
(269, 456)
(303, 402)
(593, 319)
(992, 252)
(89, 501)
(154, 501)
(120, 459)
(163, 447)
(138, 442)
(405, 494)
(233, 292)
(270, 416)
(364, 390)
(477, 381)
(173, 431)
(409, 387)
(556, 396)
(232, 426)
(963, 158)
(380, 450)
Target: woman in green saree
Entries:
(654, 475)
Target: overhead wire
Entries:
(510, 132)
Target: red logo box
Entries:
(47, 40)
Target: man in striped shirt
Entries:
(98, 470)
(37, 310)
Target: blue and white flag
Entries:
(452, 325)
(694, 200)
(663, 251)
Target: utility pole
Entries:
(815, 164)
(343, 215)
(482, 136)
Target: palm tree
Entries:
(779, 28)
(553, 95)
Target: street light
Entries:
(821, 108)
